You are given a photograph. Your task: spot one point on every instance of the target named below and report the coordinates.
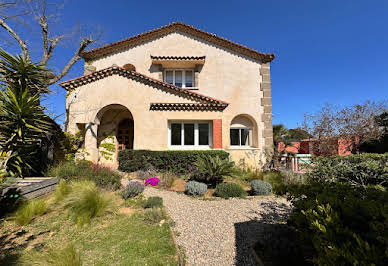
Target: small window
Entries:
(176, 134)
(203, 134)
(183, 78)
(240, 136)
(189, 134)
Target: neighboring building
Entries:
(340, 146)
(172, 88)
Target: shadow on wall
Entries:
(273, 241)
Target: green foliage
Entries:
(166, 179)
(67, 256)
(136, 202)
(86, 201)
(259, 187)
(154, 215)
(104, 177)
(23, 123)
(153, 202)
(133, 189)
(213, 170)
(67, 146)
(29, 210)
(62, 190)
(195, 188)
(341, 224)
(178, 162)
(358, 169)
(230, 190)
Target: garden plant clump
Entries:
(213, 170)
(104, 177)
(133, 189)
(153, 202)
(194, 188)
(152, 181)
(30, 210)
(230, 190)
(259, 188)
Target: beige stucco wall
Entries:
(225, 75)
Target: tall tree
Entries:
(356, 122)
(16, 13)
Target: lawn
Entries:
(119, 237)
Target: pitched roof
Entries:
(174, 27)
(116, 70)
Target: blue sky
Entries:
(326, 51)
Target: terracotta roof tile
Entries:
(175, 27)
(162, 57)
(115, 70)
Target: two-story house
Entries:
(172, 88)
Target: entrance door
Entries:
(125, 134)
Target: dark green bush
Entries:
(358, 169)
(104, 177)
(212, 169)
(153, 202)
(179, 162)
(133, 189)
(259, 187)
(341, 224)
(230, 190)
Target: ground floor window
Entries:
(189, 134)
(240, 137)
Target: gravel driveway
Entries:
(220, 232)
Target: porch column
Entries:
(91, 142)
(217, 134)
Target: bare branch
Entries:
(22, 44)
(77, 56)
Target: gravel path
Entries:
(220, 232)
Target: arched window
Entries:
(129, 67)
(241, 132)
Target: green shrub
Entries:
(259, 187)
(67, 256)
(86, 201)
(213, 170)
(154, 215)
(340, 224)
(167, 179)
(136, 202)
(133, 189)
(230, 190)
(195, 188)
(62, 190)
(358, 169)
(178, 162)
(153, 202)
(104, 177)
(29, 210)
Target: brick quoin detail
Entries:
(217, 134)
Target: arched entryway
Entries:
(115, 132)
(125, 134)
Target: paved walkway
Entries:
(220, 232)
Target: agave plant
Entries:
(23, 122)
(213, 170)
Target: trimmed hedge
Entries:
(358, 169)
(179, 162)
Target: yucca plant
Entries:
(23, 122)
(213, 170)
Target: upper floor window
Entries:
(183, 78)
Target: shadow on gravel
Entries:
(273, 241)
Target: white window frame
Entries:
(183, 76)
(250, 137)
(196, 136)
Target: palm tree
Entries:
(23, 122)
